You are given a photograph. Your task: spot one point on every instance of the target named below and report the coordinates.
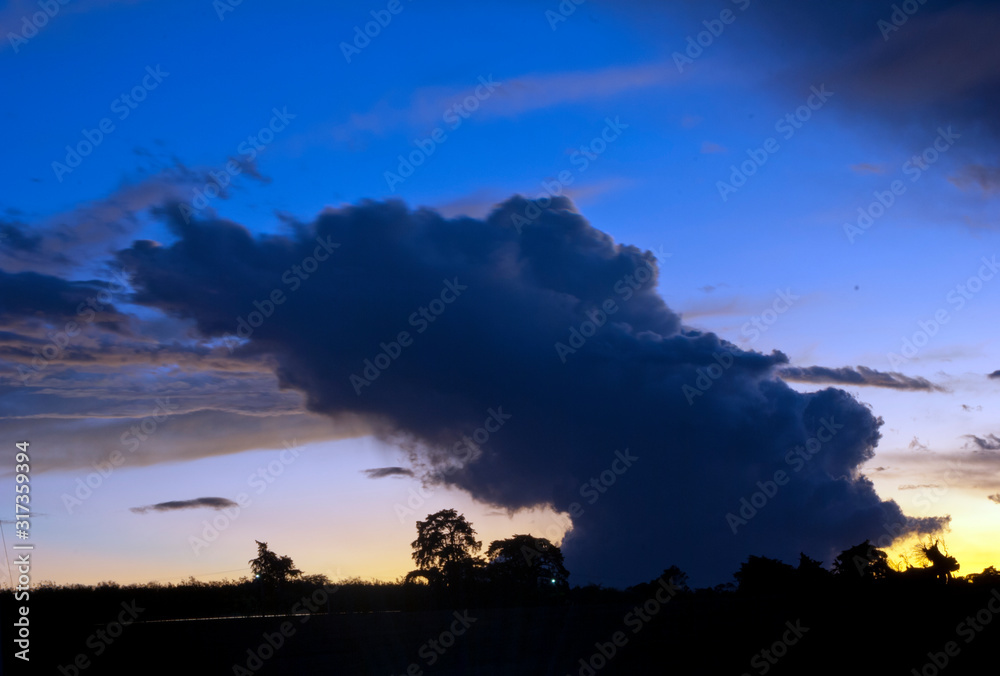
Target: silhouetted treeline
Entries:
(758, 577)
(859, 616)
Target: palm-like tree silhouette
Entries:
(942, 565)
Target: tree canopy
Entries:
(444, 539)
(271, 569)
(526, 560)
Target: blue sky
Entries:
(672, 135)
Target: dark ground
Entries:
(871, 631)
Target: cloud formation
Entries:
(521, 355)
(987, 179)
(514, 96)
(988, 442)
(211, 503)
(938, 66)
(382, 472)
(861, 376)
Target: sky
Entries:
(667, 283)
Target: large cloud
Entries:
(484, 392)
(906, 72)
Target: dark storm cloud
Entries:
(911, 72)
(484, 305)
(861, 375)
(30, 295)
(13, 236)
(382, 472)
(70, 241)
(212, 503)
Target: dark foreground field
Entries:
(823, 633)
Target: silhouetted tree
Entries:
(942, 564)
(862, 562)
(272, 570)
(673, 579)
(761, 574)
(432, 578)
(990, 576)
(445, 542)
(526, 561)
(809, 565)
(676, 576)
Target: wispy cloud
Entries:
(860, 375)
(211, 503)
(867, 168)
(12, 15)
(91, 231)
(382, 472)
(513, 97)
(986, 179)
